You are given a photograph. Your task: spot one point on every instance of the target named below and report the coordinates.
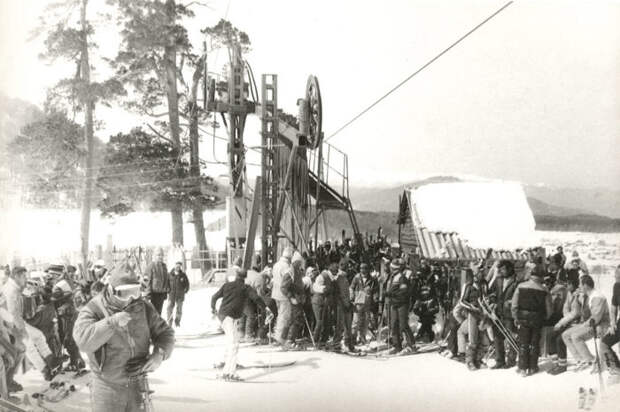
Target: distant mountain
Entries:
(593, 210)
(596, 201)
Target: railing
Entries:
(334, 168)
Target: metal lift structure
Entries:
(301, 177)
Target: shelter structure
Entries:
(448, 219)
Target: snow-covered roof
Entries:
(462, 219)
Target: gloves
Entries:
(120, 319)
(153, 362)
(134, 366)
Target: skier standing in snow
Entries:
(116, 329)
(292, 287)
(474, 289)
(281, 269)
(531, 306)
(344, 311)
(503, 290)
(324, 304)
(234, 296)
(364, 291)
(397, 291)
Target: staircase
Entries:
(332, 192)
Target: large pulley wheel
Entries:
(315, 118)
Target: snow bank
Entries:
(484, 214)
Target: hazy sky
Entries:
(534, 95)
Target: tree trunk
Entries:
(199, 225)
(170, 57)
(88, 137)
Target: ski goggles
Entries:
(126, 292)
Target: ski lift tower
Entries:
(297, 184)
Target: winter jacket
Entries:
(110, 347)
(14, 304)
(343, 298)
(179, 285)
(503, 290)
(531, 304)
(397, 290)
(470, 295)
(599, 311)
(323, 289)
(157, 275)
(364, 290)
(571, 310)
(282, 268)
(292, 286)
(234, 296)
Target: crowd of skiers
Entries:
(489, 308)
(335, 298)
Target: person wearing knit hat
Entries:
(62, 296)
(531, 307)
(282, 269)
(124, 325)
(293, 288)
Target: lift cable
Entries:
(419, 70)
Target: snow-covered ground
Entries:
(322, 381)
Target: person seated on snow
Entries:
(116, 329)
(571, 315)
(62, 297)
(426, 307)
(576, 337)
(234, 296)
(613, 334)
(179, 286)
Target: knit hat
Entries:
(120, 276)
(297, 257)
(397, 263)
(63, 286)
(241, 273)
(287, 252)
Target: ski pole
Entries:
(601, 384)
(309, 330)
